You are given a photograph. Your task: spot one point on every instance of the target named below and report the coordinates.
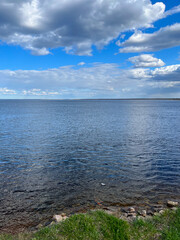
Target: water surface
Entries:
(54, 155)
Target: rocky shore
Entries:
(125, 213)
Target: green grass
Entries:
(98, 225)
(165, 226)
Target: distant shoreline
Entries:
(95, 99)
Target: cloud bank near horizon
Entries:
(98, 80)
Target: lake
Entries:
(71, 155)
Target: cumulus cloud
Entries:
(145, 61)
(166, 37)
(91, 81)
(75, 25)
(168, 73)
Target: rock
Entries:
(125, 215)
(172, 204)
(58, 218)
(47, 224)
(131, 210)
(162, 211)
(124, 210)
(133, 214)
(150, 213)
(174, 208)
(103, 184)
(52, 223)
(143, 213)
(157, 208)
(39, 226)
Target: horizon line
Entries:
(78, 99)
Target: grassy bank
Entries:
(101, 226)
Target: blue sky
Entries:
(63, 49)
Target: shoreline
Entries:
(126, 212)
(101, 225)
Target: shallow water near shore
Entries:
(55, 155)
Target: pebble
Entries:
(143, 213)
(133, 214)
(150, 213)
(157, 210)
(47, 224)
(161, 211)
(131, 210)
(172, 204)
(174, 208)
(125, 215)
(52, 223)
(129, 214)
(39, 226)
(103, 184)
(58, 218)
(124, 210)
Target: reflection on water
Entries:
(54, 155)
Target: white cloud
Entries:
(81, 63)
(39, 92)
(172, 11)
(6, 91)
(168, 73)
(97, 80)
(166, 37)
(75, 25)
(145, 61)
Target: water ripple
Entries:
(54, 155)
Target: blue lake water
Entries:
(54, 155)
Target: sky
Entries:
(76, 49)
